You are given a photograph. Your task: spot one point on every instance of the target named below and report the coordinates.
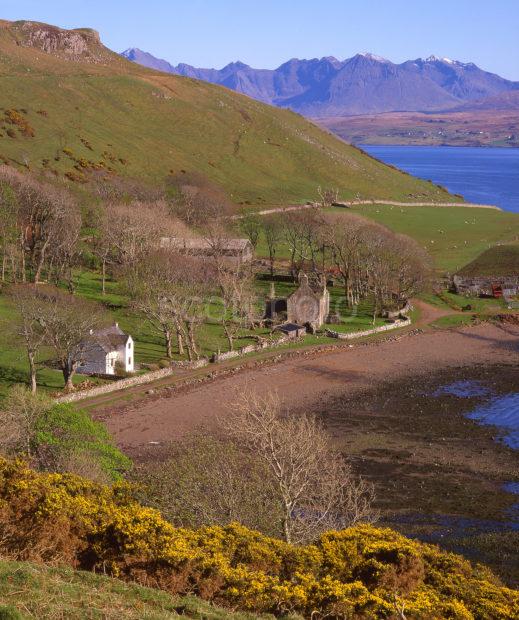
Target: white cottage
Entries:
(105, 349)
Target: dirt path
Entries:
(430, 313)
(303, 380)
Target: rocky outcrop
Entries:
(81, 44)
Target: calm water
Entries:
(501, 411)
(481, 175)
(497, 410)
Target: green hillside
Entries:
(37, 591)
(453, 236)
(501, 260)
(70, 106)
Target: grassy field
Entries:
(35, 591)
(103, 112)
(453, 236)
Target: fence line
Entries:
(368, 332)
(353, 203)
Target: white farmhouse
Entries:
(105, 349)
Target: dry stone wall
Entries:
(368, 332)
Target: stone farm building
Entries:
(238, 250)
(106, 350)
(494, 273)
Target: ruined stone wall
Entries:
(482, 285)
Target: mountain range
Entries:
(363, 84)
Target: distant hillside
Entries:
(504, 101)
(362, 84)
(73, 108)
(479, 125)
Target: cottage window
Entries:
(129, 361)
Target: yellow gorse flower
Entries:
(360, 572)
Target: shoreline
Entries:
(301, 380)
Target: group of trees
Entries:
(169, 290)
(369, 259)
(270, 469)
(373, 261)
(178, 292)
(39, 229)
(54, 318)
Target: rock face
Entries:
(363, 84)
(84, 44)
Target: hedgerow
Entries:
(360, 572)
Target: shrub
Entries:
(69, 440)
(361, 572)
(15, 118)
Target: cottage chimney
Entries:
(303, 279)
(116, 324)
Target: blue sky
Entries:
(265, 33)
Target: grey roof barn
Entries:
(237, 249)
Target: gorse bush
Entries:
(360, 572)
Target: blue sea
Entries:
(501, 411)
(481, 175)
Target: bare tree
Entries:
(195, 199)
(19, 417)
(65, 254)
(43, 213)
(236, 286)
(68, 322)
(316, 486)
(206, 480)
(272, 230)
(396, 267)
(132, 231)
(303, 234)
(328, 196)
(103, 248)
(250, 226)
(29, 327)
(343, 235)
(154, 292)
(169, 289)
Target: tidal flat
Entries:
(443, 470)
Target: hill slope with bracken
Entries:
(74, 108)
